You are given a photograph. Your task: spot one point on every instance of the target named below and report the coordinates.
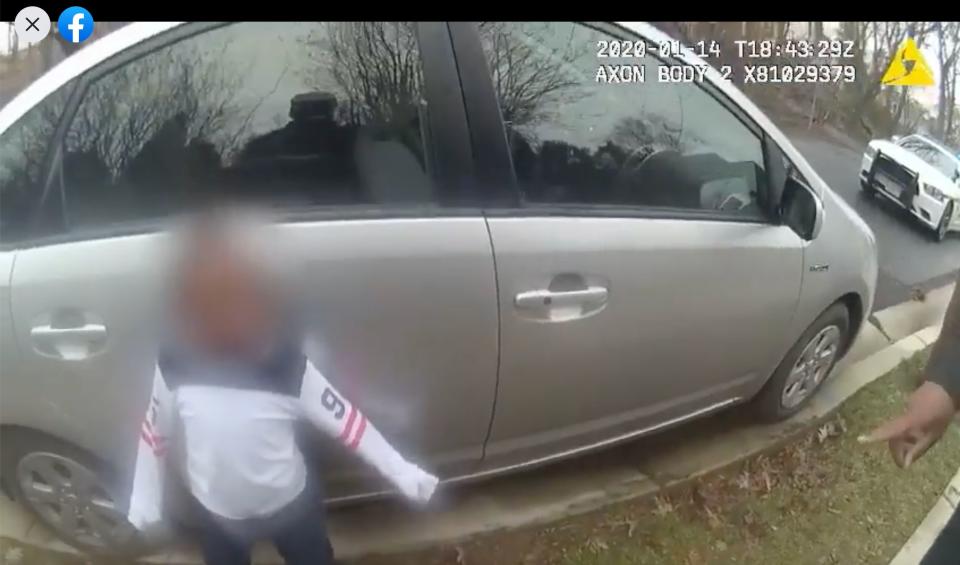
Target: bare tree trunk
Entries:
(14, 42)
(901, 104)
(813, 106)
(951, 80)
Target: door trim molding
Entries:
(489, 473)
(600, 444)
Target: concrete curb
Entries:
(640, 468)
(920, 541)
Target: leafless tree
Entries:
(530, 82)
(122, 111)
(375, 67)
(948, 53)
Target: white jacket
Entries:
(315, 398)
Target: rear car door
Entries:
(355, 134)
(641, 281)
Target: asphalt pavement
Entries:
(909, 258)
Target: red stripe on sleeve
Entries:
(148, 438)
(151, 438)
(349, 427)
(360, 429)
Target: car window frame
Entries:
(492, 148)
(451, 151)
(41, 215)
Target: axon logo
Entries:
(75, 24)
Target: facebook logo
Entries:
(75, 24)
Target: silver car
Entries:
(525, 240)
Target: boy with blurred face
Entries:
(237, 380)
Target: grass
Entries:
(822, 500)
(825, 499)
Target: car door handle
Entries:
(545, 298)
(88, 331)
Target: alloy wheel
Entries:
(70, 498)
(811, 367)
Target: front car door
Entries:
(641, 280)
(361, 150)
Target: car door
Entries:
(641, 281)
(355, 134)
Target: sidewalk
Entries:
(916, 547)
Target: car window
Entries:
(932, 154)
(23, 149)
(290, 114)
(578, 138)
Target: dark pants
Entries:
(298, 532)
(946, 548)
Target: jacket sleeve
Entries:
(146, 498)
(330, 411)
(943, 367)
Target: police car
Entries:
(920, 175)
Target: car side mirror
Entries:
(801, 209)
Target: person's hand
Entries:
(418, 485)
(910, 435)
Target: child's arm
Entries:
(146, 499)
(334, 414)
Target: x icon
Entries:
(32, 24)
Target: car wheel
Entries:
(806, 365)
(941, 232)
(867, 189)
(68, 491)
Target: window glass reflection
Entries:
(577, 141)
(295, 114)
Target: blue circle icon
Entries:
(75, 24)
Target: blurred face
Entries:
(223, 301)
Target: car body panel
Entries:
(430, 415)
(832, 270)
(859, 276)
(9, 352)
(364, 280)
(671, 338)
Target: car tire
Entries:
(51, 478)
(866, 188)
(800, 374)
(940, 233)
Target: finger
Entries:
(898, 450)
(915, 450)
(891, 429)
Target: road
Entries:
(909, 257)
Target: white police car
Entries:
(920, 175)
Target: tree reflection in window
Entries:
(293, 114)
(23, 150)
(576, 141)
